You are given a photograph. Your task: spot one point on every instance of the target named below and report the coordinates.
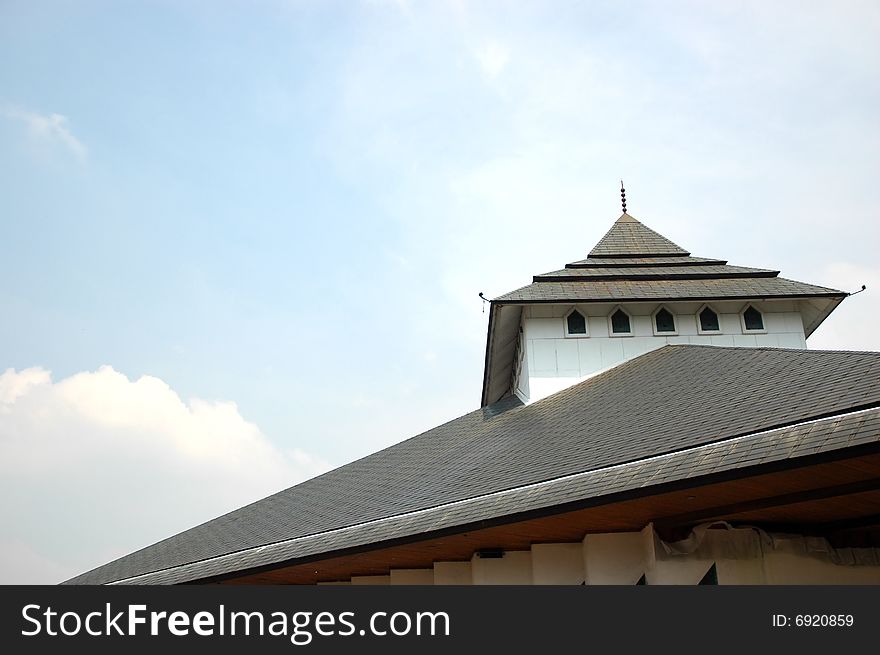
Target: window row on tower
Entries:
(664, 322)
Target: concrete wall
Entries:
(616, 557)
(452, 573)
(558, 564)
(411, 576)
(551, 361)
(515, 567)
(370, 579)
(740, 556)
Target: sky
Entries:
(242, 243)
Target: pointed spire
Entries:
(623, 196)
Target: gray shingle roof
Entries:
(789, 443)
(671, 289)
(599, 262)
(654, 272)
(665, 401)
(628, 237)
(634, 263)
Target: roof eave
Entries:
(833, 303)
(188, 573)
(686, 262)
(715, 297)
(636, 255)
(655, 276)
(487, 359)
(500, 351)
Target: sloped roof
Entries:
(639, 272)
(678, 260)
(629, 238)
(634, 263)
(787, 444)
(669, 400)
(634, 289)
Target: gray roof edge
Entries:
(828, 290)
(832, 304)
(553, 276)
(490, 364)
(755, 297)
(488, 357)
(495, 408)
(624, 255)
(191, 567)
(684, 260)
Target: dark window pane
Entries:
(753, 319)
(709, 321)
(577, 324)
(620, 322)
(711, 576)
(665, 321)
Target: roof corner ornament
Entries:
(623, 196)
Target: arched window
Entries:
(575, 324)
(752, 320)
(664, 321)
(620, 323)
(709, 320)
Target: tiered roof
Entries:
(633, 263)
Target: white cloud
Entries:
(402, 5)
(493, 58)
(96, 465)
(51, 129)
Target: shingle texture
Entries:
(752, 450)
(678, 260)
(640, 272)
(600, 290)
(669, 400)
(633, 263)
(628, 237)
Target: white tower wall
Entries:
(550, 360)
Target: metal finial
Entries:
(623, 196)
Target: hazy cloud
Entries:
(402, 5)
(49, 129)
(117, 464)
(493, 58)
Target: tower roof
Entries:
(634, 264)
(629, 238)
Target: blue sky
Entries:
(283, 212)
